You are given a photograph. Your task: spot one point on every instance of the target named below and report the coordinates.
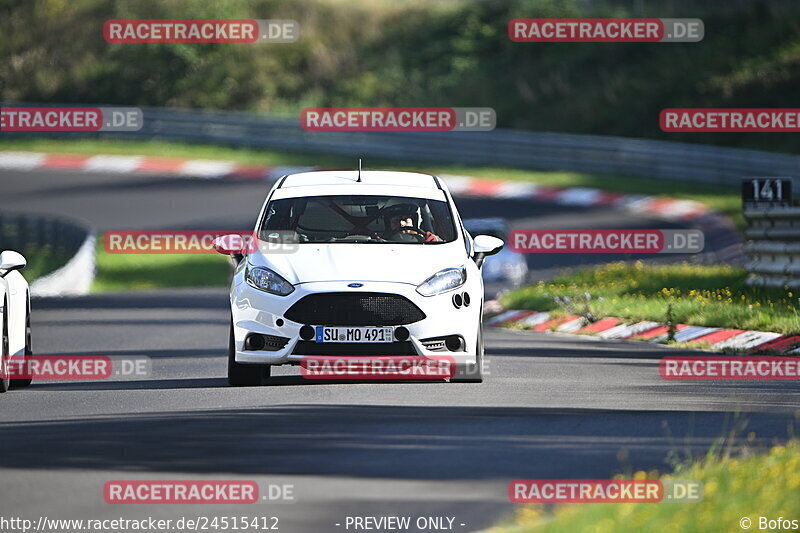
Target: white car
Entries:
(381, 266)
(16, 317)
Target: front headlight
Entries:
(266, 280)
(444, 280)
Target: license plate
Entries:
(331, 334)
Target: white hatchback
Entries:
(378, 264)
(15, 318)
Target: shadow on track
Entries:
(414, 442)
(161, 299)
(200, 383)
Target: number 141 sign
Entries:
(763, 192)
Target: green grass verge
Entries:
(752, 486)
(41, 261)
(159, 148)
(699, 295)
(117, 272)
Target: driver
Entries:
(402, 219)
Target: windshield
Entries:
(359, 218)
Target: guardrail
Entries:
(773, 247)
(511, 148)
(61, 240)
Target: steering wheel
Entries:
(410, 231)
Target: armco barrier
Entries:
(512, 148)
(60, 237)
(773, 247)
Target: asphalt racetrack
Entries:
(551, 406)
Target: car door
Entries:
(4, 309)
(18, 303)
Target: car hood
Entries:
(401, 263)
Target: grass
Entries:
(752, 486)
(117, 272)
(245, 156)
(41, 261)
(699, 294)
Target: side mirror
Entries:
(232, 244)
(11, 260)
(484, 246)
(228, 244)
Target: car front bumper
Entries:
(256, 311)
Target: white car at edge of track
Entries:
(15, 317)
(380, 265)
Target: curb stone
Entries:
(717, 339)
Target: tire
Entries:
(240, 375)
(5, 350)
(471, 373)
(28, 350)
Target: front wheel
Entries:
(240, 375)
(471, 373)
(28, 351)
(5, 351)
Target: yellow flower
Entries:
(528, 515)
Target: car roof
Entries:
(373, 183)
(347, 178)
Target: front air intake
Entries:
(354, 309)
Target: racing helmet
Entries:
(405, 210)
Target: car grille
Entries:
(354, 309)
(354, 348)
